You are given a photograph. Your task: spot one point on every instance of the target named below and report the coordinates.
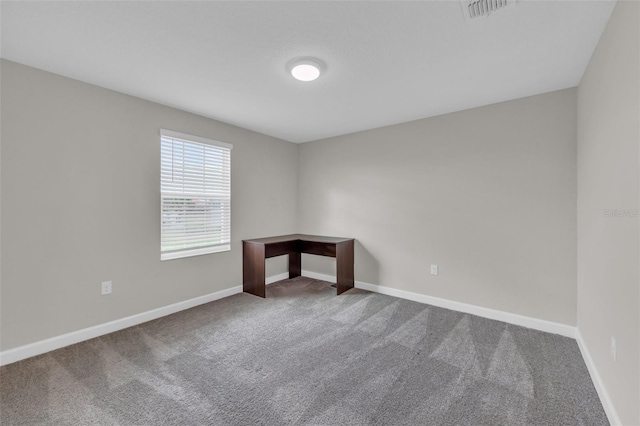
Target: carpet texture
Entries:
(304, 356)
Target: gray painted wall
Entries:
(609, 179)
(488, 194)
(81, 205)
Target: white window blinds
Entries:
(195, 187)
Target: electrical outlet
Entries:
(613, 349)
(434, 269)
(106, 287)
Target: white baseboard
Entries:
(508, 317)
(43, 346)
(533, 323)
(53, 343)
(275, 278)
(318, 276)
(524, 321)
(605, 399)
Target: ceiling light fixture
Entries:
(306, 69)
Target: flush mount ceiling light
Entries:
(306, 69)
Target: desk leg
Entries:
(344, 266)
(295, 268)
(253, 268)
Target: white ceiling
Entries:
(387, 62)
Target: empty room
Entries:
(320, 212)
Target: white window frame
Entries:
(225, 244)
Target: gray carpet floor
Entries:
(303, 356)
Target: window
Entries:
(195, 186)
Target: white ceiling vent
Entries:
(472, 9)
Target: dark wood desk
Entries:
(255, 251)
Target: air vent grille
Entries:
(476, 8)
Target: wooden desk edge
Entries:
(298, 237)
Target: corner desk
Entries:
(254, 253)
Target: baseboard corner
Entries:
(605, 398)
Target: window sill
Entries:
(194, 252)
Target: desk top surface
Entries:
(302, 237)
